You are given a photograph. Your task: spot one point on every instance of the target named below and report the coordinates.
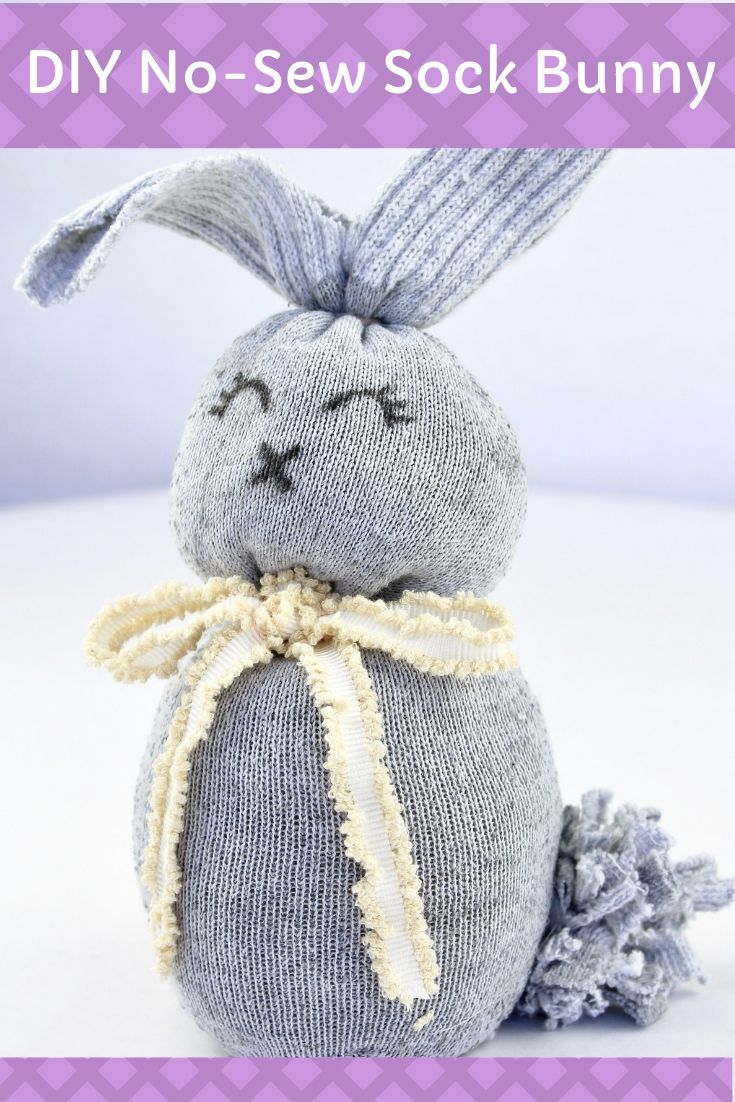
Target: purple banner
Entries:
(264, 75)
(481, 1080)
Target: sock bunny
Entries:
(348, 823)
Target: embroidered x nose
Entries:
(272, 466)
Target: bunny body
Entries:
(421, 487)
(271, 959)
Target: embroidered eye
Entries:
(392, 408)
(239, 384)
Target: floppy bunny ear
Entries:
(237, 202)
(449, 220)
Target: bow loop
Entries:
(140, 637)
(460, 635)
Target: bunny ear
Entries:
(449, 220)
(237, 203)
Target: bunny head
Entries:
(339, 436)
(358, 450)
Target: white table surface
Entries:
(624, 611)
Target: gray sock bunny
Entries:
(348, 823)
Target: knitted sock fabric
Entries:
(447, 222)
(271, 959)
(364, 453)
(422, 490)
(340, 437)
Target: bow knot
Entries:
(292, 611)
(228, 626)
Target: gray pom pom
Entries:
(617, 929)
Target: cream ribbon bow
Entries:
(227, 626)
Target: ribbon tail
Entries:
(389, 894)
(215, 667)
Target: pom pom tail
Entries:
(616, 936)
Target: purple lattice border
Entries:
(233, 115)
(367, 1080)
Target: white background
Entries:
(610, 347)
